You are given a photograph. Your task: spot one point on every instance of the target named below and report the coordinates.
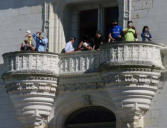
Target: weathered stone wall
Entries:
(152, 13)
(16, 16)
(7, 116)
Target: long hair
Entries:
(144, 28)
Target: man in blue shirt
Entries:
(41, 42)
(115, 33)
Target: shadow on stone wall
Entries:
(1, 72)
(12, 4)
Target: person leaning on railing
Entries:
(27, 44)
(85, 44)
(99, 40)
(69, 46)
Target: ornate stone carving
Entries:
(134, 54)
(31, 83)
(129, 72)
(19, 61)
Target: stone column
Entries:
(75, 24)
(100, 24)
(125, 11)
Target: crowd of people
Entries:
(40, 45)
(116, 33)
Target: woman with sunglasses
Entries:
(27, 44)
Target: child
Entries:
(146, 35)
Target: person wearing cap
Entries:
(115, 32)
(28, 32)
(69, 48)
(27, 44)
(41, 42)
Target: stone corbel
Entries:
(164, 56)
(131, 118)
(164, 62)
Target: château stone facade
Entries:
(124, 83)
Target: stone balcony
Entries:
(130, 71)
(123, 54)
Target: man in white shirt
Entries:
(69, 46)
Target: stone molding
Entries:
(35, 62)
(33, 99)
(130, 54)
(31, 83)
(130, 72)
(134, 54)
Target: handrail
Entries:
(115, 54)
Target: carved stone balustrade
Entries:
(130, 72)
(31, 81)
(79, 62)
(125, 54)
(31, 62)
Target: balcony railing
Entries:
(31, 62)
(123, 54)
(131, 71)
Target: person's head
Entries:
(73, 39)
(145, 29)
(28, 32)
(29, 37)
(130, 24)
(85, 38)
(40, 35)
(98, 34)
(114, 23)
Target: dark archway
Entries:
(91, 117)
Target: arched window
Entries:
(91, 117)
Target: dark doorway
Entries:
(91, 117)
(111, 13)
(88, 23)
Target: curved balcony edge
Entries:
(31, 62)
(129, 71)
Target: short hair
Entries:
(73, 38)
(114, 20)
(98, 32)
(130, 21)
